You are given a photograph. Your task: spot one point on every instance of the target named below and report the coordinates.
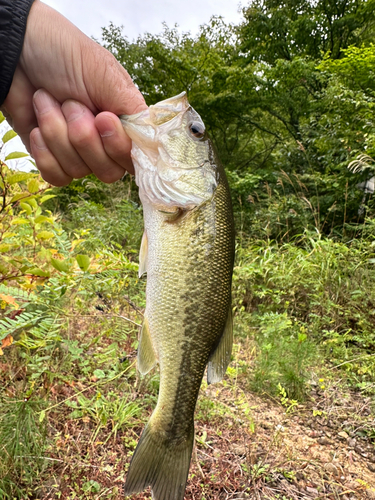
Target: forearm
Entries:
(13, 18)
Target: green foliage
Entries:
(120, 226)
(288, 99)
(280, 96)
(120, 413)
(22, 444)
(49, 280)
(285, 353)
(166, 64)
(274, 30)
(318, 291)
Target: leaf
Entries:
(61, 265)
(9, 300)
(43, 218)
(15, 155)
(17, 293)
(8, 234)
(18, 196)
(19, 221)
(8, 341)
(18, 177)
(32, 202)
(8, 136)
(42, 416)
(33, 186)
(20, 322)
(35, 271)
(99, 374)
(45, 235)
(83, 261)
(26, 207)
(47, 197)
(76, 243)
(2, 117)
(4, 248)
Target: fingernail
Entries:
(106, 130)
(38, 141)
(72, 110)
(106, 133)
(44, 102)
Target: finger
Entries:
(54, 130)
(85, 138)
(18, 108)
(116, 142)
(49, 167)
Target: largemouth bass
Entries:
(187, 251)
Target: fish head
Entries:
(173, 157)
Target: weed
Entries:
(22, 445)
(284, 355)
(312, 293)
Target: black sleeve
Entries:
(13, 17)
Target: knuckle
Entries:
(76, 168)
(50, 132)
(55, 176)
(110, 176)
(81, 138)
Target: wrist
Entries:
(12, 32)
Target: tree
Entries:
(283, 30)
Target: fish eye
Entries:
(197, 130)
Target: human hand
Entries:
(64, 100)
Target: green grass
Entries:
(69, 391)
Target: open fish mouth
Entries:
(171, 154)
(142, 126)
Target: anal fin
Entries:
(220, 358)
(146, 353)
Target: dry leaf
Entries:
(9, 300)
(8, 341)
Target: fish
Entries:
(187, 251)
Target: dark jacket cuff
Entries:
(13, 18)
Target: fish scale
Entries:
(187, 252)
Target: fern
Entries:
(46, 332)
(17, 293)
(63, 243)
(23, 321)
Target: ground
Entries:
(247, 446)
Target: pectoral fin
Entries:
(143, 255)
(146, 354)
(220, 359)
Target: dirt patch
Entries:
(247, 446)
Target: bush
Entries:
(324, 287)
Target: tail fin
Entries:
(162, 465)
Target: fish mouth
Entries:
(142, 127)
